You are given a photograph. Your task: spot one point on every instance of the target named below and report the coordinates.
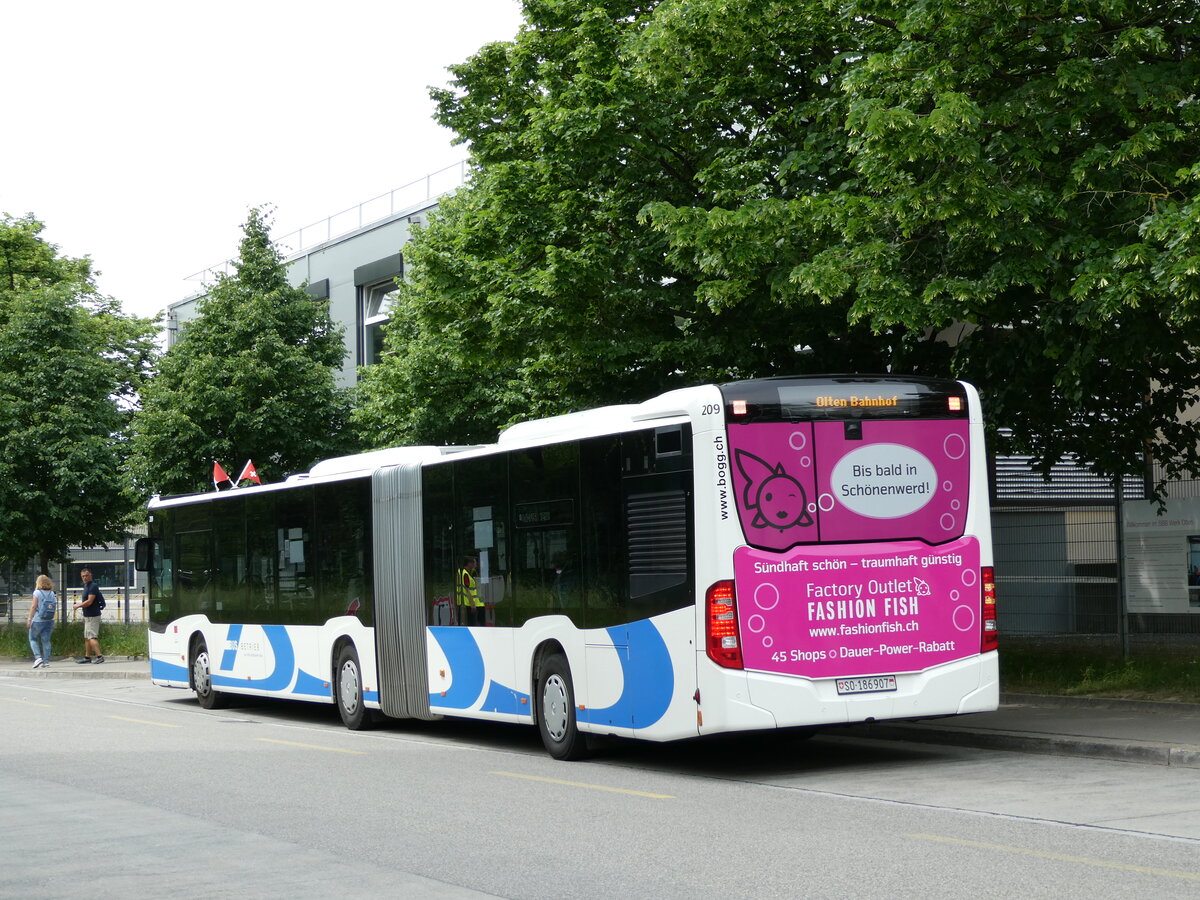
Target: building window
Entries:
(376, 283)
(376, 311)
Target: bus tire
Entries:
(206, 695)
(348, 692)
(556, 711)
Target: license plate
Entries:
(866, 685)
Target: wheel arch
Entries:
(335, 650)
(542, 652)
(195, 639)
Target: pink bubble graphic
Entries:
(954, 446)
(964, 618)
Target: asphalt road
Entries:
(116, 788)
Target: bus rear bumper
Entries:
(783, 701)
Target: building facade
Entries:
(356, 272)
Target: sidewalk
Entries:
(65, 666)
(1164, 734)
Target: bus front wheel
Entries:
(556, 711)
(348, 691)
(206, 695)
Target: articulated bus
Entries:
(773, 553)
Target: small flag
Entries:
(249, 473)
(219, 476)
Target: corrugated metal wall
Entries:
(1058, 557)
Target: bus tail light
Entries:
(724, 648)
(991, 632)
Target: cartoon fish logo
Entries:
(778, 499)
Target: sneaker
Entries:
(98, 659)
(37, 663)
(83, 659)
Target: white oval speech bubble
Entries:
(884, 481)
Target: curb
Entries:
(1144, 752)
(66, 667)
(1160, 707)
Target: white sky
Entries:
(141, 133)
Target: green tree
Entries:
(677, 191)
(1022, 178)
(536, 289)
(70, 367)
(253, 376)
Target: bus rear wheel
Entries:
(556, 711)
(348, 692)
(207, 696)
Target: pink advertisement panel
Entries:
(883, 480)
(826, 612)
(775, 481)
(903, 479)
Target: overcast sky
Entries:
(141, 133)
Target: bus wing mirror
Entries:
(143, 553)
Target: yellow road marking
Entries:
(145, 722)
(312, 746)
(590, 787)
(26, 702)
(1061, 857)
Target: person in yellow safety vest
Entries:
(466, 594)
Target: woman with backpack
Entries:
(41, 621)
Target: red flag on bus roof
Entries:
(249, 473)
(219, 476)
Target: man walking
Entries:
(92, 602)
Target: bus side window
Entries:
(656, 493)
(481, 521)
(602, 532)
(437, 525)
(545, 559)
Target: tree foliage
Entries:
(70, 367)
(670, 192)
(1024, 177)
(253, 376)
(537, 289)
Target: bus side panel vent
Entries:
(657, 529)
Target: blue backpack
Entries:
(47, 606)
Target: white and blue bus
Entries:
(764, 554)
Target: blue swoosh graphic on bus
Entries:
(229, 657)
(649, 678)
(285, 664)
(310, 685)
(466, 666)
(165, 671)
(501, 699)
